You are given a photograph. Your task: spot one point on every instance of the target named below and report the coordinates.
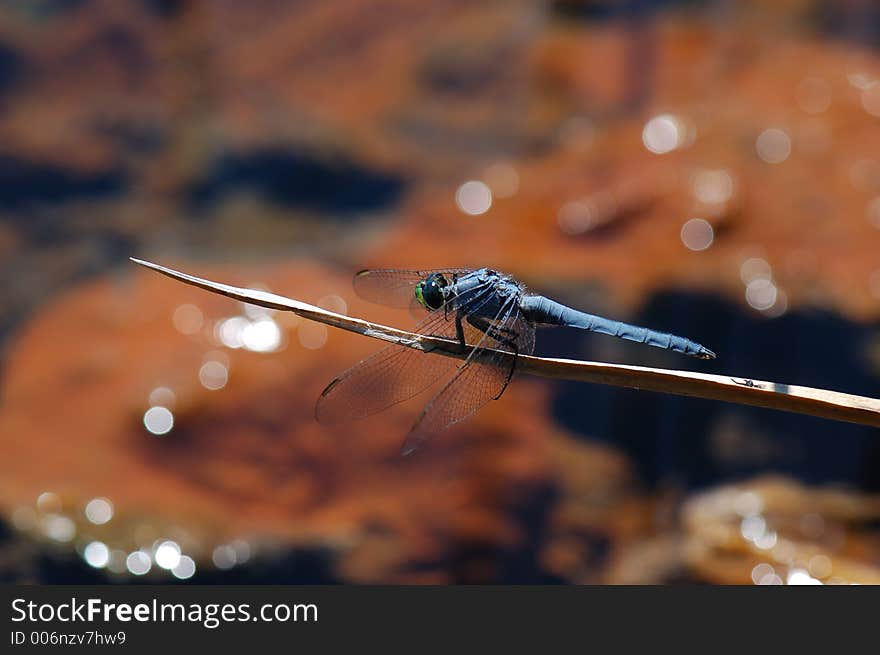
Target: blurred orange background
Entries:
(709, 169)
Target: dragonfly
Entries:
(490, 317)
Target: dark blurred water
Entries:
(694, 443)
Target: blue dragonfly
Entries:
(492, 318)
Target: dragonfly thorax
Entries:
(432, 291)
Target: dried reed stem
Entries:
(803, 400)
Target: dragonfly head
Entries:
(431, 292)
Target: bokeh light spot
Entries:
(773, 145)
(224, 557)
(663, 133)
(163, 396)
(185, 568)
(99, 510)
(242, 550)
(263, 336)
(801, 577)
(820, 566)
(770, 579)
(755, 268)
(761, 294)
(229, 331)
(697, 234)
(59, 528)
(312, 335)
(213, 375)
(712, 187)
(158, 420)
(167, 555)
(187, 319)
(575, 217)
(24, 518)
(138, 563)
(96, 554)
(752, 527)
(760, 571)
(48, 502)
(473, 198)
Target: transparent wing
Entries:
(483, 376)
(393, 374)
(385, 378)
(394, 287)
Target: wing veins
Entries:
(370, 371)
(418, 435)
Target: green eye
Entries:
(419, 295)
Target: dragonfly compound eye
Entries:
(430, 292)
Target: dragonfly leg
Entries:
(502, 335)
(459, 331)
